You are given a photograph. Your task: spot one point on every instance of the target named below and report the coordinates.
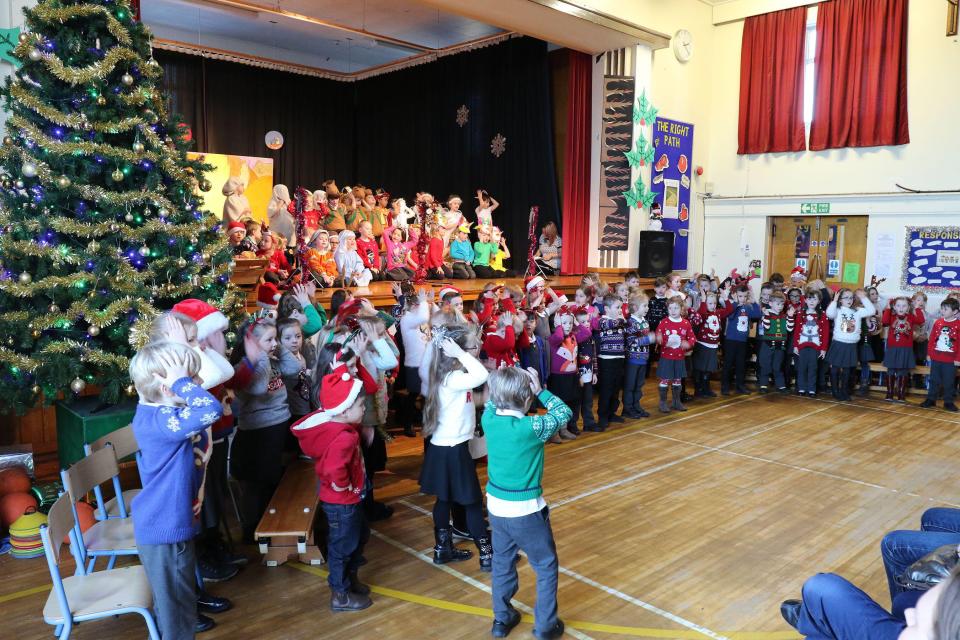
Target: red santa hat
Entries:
(347, 314)
(236, 225)
(267, 296)
(449, 289)
(532, 282)
(798, 273)
(209, 319)
(581, 310)
(338, 391)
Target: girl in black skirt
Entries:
(449, 420)
(898, 357)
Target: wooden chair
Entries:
(124, 444)
(286, 528)
(247, 273)
(110, 537)
(89, 596)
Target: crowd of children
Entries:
(359, 235)
(303, 379)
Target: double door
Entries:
(829, 248)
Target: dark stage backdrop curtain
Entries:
(861, 94)
(576, 183)
(397, 131)
(771, 82)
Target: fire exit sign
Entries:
(814, 207)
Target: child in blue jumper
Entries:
(639, 339)
(735, 340)
(172, 425)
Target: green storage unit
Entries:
(84, 420)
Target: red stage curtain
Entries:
(771, 82)
(861, 95)
(576, 168)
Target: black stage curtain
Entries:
(397, 131)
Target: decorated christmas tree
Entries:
(101, 226)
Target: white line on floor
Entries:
(689, 416)
(774, 425)
(465, 578)
(643, 605)
(927, 415)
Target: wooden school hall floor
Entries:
(689, 525)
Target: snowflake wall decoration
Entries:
(463, 115)
(498, 145)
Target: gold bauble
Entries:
(101, 101)
(36, 390)
(138, 147)
(130, 390)
(63, 182)
(117, 175)
(93, 330)
(36, 333)
(7, 141)
(24, 36)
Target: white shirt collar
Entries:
(509, 412)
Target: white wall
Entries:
(929, 162)
(735, 223)
(679, 90)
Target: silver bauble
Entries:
(63, 182)
(28, 169)
(78, 385)
(25, 278)
(93, 330)
(144, 251)
(128, 217)
(34, 54)
(126, 79)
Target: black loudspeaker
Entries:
(656, 253)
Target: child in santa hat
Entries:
(236, 232)
(331, 436)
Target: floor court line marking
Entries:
(699, 630)
(465, 578)
(644, 605)
(929, 416)
(16, 595)
(639, 632)
(634, 431)
(773, 425)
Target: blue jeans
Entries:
(348, 533)
(531, 534)
(172, 572)
(900, 549)
(834, 609)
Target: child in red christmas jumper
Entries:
(898, 355)
(943, 349)
(436, 268)
(501, 345)
(709, 328)
(369, 250)
(675, 337)
(811, 338)
(331, 436)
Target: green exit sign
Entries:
(814, 207)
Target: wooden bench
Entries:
(286, 529)
(921, 370)
(247, 273)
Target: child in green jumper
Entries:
(519, 516)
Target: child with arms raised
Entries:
(172, 426)
(842, 356)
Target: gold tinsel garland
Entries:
(14, 287)
(96, 71)
(96, 317)
(62, 14)
(167, 163)
(98, 194)
(75, 120)
(36, 250)
(100, 229)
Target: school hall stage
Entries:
(379, 293)
(692, 525)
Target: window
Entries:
(809, 68)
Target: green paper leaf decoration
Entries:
(651, 114)
(633, 197)
(648, 155)
(8, 40)
(643, 105)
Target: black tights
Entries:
(475, 520)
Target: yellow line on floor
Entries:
(636, 632)
(16, 595)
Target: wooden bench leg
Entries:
(312, 554)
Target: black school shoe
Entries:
(949, 406)
(204, 623)
(207, 603)
(616, 418)
(552, 634)
(926, 404)
(503, 629)
(213, 571)
(790, 610)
